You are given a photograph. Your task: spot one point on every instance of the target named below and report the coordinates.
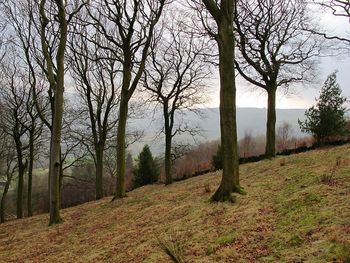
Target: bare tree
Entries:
(176, 79)
(17, 15)
(95, 73)
(284, 133)
(247, 144)
(54, 15)
(14, 95)
(274, 50)
(128, 26)
(7, 164)
(217, 18)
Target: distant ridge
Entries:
(248, 119)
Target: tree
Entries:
(8, 165)
(95, 74)
(223, 13)
(21, 35)
(247, 144)
(14, 96)
(175, 79)
(327, 118)
(55, 73)
(274, 50)
(284, 133)
(128, 27)
(147, 171)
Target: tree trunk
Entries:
(230, 176)
(121, 167)
(2, 202)
(270, 149)
(60, 187)
(30, 174)
(20, 192)
(55, 159)
(55, 154)
(168, 137)
(99, 172)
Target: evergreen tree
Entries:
(327, 118)
(148, 170)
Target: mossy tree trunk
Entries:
(224, 16)
(57, 84)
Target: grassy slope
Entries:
(287, 216)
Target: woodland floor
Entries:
(288, 215)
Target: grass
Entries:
(288, 215)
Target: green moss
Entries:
(268, 259)
(226, 239)
(152, 258)
(295, 240)
(339, 252)
(210, 250)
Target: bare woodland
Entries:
(73, 73)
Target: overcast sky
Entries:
(300, 97)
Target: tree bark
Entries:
(20, 186)
(20, 193)
(30, 177)
(121, 166)
(168, 139)
(99, 172)
(230, 176)
(55, 159)
(55, 154)
(270, 148)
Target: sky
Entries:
(299, 97)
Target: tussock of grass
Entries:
(173, 247)
(288, 215)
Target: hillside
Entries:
(288, 215)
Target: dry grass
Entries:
(288, 215)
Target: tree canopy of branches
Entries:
(175, 79)
(340, 8)
(95, 73)
(327, 118)
(274, 50)
(128, 26)
(14, 96)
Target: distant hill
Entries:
(252, 119)
(295, 212)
